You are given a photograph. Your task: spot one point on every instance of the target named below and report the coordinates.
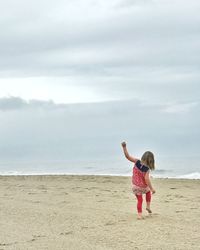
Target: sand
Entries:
(96, 212)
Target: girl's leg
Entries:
(139, 205)
(148, 201)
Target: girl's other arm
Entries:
(148, 182)
(130, 158)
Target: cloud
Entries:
(181, 108)
(10, 103)
(17, 103)
(110, 107)
(133, 3)
(42, 130)
(62, 40)
(121, 53)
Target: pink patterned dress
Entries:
(139, 185)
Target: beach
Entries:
(96, 212)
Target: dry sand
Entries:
(96, 212)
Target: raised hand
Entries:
(123, 144)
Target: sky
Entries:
(92, 73)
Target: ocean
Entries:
(166, 167)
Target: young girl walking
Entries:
(141, 183)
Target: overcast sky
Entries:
(120, 61)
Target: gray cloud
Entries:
(17, 103)
(11, 103)
(52, 42)
(148, 52)
(96, 130)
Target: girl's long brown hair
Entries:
(148, 159)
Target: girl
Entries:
(141, 183)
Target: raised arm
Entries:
(130, 158)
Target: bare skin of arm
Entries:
(130, 158)
(148, 182)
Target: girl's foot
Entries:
(149, 210)
(140, 217)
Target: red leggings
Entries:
(140, 200)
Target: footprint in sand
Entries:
(41, 187)
(110, 223)
(122, 220)
(85, 228)
(39, 236)
(75, 188)
(36, 237)
(35, 202)
(8, 244)
(67, 233)
(32, 193)
(179, 196)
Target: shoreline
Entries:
(90, 175)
